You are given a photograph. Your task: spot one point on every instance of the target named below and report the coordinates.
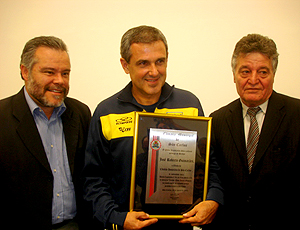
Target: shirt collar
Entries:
(34, 107)
(263, 107)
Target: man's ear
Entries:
(24, 72)
(124, 65)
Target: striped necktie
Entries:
(253, 136)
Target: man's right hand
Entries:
(138, 220)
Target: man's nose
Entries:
(58, 78)
(253, 79)
(153, 70)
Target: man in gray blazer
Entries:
(42, 141)
(260, 178)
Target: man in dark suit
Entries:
(260, 178)
(42, 141)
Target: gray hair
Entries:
(28, 59)
(255, 43)
(140, 34)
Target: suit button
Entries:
(249, 199)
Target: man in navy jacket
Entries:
(107, 169)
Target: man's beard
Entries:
(37, 91)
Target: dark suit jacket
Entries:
(25, 175)
(268, 198)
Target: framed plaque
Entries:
(170, 162)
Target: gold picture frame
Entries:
(188, 158)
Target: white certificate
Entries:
(171, 166)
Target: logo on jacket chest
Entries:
(117, 125)
(123, 129)
(124, 121)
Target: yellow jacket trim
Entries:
(122, 125)
(179, 111)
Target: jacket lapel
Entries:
(28, 131)
(274, 116)
(236, 126)
(71, 130)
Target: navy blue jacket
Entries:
(109, 149)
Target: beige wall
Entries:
(201, 36)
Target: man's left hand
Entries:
(202, 213)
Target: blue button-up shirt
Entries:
(52, 135)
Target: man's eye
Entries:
(66, 74)
(160, 61)
(49, 72)
(244, 73)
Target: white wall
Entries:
(201, 36)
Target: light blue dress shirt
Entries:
(53, 138)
